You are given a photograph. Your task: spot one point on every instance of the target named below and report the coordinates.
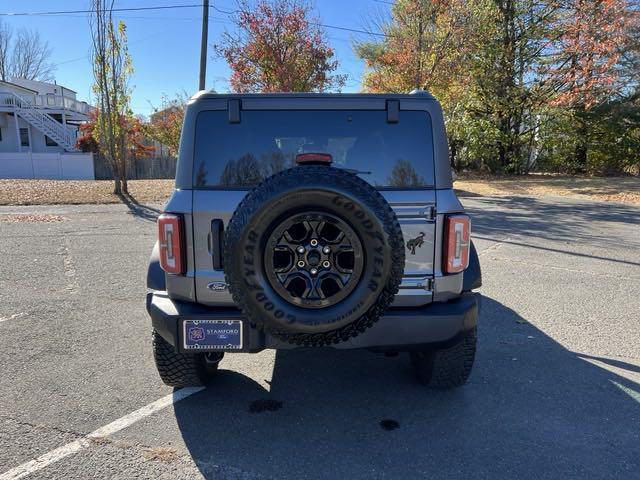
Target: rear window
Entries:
(240, 155)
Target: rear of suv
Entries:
(313, 220)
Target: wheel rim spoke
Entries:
(306, 265)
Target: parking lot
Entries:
(555, 392)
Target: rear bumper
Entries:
(400, 329)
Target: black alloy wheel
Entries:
(314, 259)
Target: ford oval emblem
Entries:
(217, 286)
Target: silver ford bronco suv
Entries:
(313, 220)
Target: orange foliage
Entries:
(592, 34)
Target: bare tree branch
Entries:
(24, 55)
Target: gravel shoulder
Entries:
(69, 192)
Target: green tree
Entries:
(510, 73)
(479, 58)
(429, 45)
(614, 139)
(112, 69)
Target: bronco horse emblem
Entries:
(415, 243)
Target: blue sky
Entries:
(165, 44)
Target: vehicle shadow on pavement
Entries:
(532, 409)
(559, 220)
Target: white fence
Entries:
(54, 166)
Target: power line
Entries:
(138, 17)
(129, 9)
(348, 29)
(133, 42)
(325, 25)
(228, 13)
(168, 7)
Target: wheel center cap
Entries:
(313, 258)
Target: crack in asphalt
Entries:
(497, 244)
(69, 269)
(102, 441)
(42, 426)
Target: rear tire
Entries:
(448, 367)
(182, 369)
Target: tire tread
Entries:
(448, 367)
(371, 199)
(177, 369)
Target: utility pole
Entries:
(203, 43)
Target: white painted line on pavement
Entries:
(12, 317)
(73, 447)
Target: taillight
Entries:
(457, 233)
(170, 239)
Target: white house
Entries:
(38, 130)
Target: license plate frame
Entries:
(199, 335)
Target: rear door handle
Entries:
(217, 231)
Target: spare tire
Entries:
(313, 255)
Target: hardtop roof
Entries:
(202, 95)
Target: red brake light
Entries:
(170, 239)
(457, 231)
(314, 158)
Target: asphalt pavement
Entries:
(555, 391)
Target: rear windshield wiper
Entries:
(356, 172)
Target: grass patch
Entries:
(160, 454)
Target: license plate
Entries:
(212, 334)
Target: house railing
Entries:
(54, 102)
(60, 102)
(61, 134)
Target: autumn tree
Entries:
(86, 141)
(486, 61)
(279, 47)
(424, 47)
(137, 141)
(24, 54)
(583, 73)
(165, 125)
(134, 128)
(111, 70)
(586, 51)
(428, 45)
(628, 68)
